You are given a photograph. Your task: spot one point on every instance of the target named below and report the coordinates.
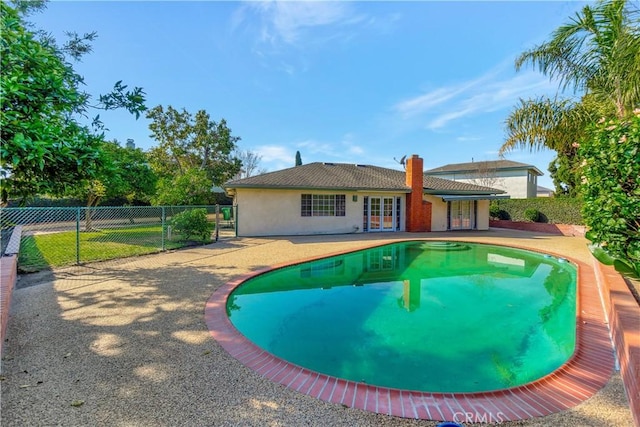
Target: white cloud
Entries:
(342, 150)
(422, 103)
(306, 23)
(442, 119)
(280, 156)
(490, 92)
(287, 21)
(350, 145)
(316, 147)
(468, 138)
(354, 149)
(275, 153)
(425, 102)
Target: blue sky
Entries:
(353, 82)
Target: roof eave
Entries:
(319, 188)
(459, 192)
(450, 197)
(507, 168)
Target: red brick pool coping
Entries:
(587, 371)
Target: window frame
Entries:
(323, 205)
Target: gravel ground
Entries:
(124, 343)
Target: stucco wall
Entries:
(277, 213)
(515, 182)
(438, 213)
(482, 219)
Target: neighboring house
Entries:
(335, 198)
(544, 191)
(518, 180)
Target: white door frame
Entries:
(462, 214)
(381, 213)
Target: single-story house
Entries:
(518, 180)
(337, 198)
(544, 191)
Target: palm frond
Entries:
(597, 51)
(545, 123)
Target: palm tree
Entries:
(597, 54)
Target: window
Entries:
(397, 213)
(323, 205)
(365, 220)
(325, 269)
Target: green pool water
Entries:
(424, 316)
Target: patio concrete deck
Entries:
(125, 343)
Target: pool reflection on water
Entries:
(421, 315)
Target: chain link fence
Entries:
(55, 237)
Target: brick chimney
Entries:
(418, 216)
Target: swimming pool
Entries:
(421, 315)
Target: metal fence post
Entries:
(78, 236)
(217, 221)
(163, 220)
(235, 220)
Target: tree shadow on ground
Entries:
(127, 342)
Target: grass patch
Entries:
(41, 251)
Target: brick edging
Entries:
(624, 323)
(8, 277)
(539, 227)
(586, 372)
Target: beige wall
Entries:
(519, 184)
(439, 213)
(277, 213)
(482, 220)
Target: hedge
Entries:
(560, 210)
(611, 186)
(66, 202)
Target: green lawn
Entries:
(59, 249)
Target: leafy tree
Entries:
(597, 53)
(191, 188)
(193, 155)
(106, 182)
(44, 148)
(136, 178)
(26, 7)
(124, 173)
(92, 191)
(298, 159)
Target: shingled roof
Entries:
(482, 166)
(343, 176)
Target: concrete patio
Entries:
(124, 343)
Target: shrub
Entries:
(192, 222)
(531, 215)
(611, 188)
(555, 210)
(494, 211)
